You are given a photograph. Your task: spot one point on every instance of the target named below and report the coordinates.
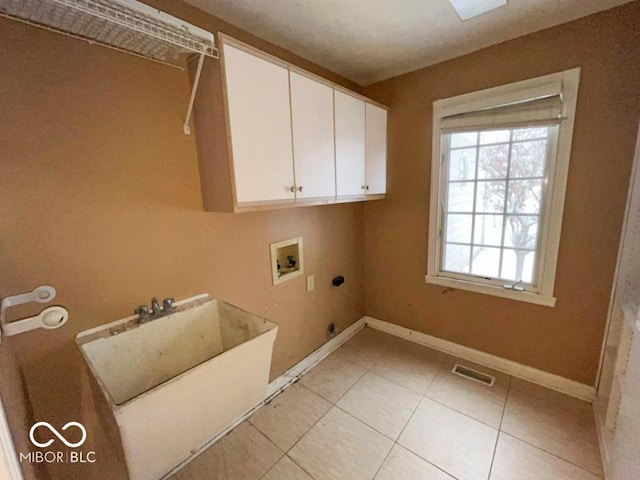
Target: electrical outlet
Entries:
(311, 283)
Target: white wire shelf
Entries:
(125, 25)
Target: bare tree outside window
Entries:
(493, 209)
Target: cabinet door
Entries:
(376, 150)
(260, 127)
(350, 136)
(313, 142)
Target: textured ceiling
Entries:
(372, 40)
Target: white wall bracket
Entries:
(41, 294)
(49, 318)
(196, 81)
(125, 25)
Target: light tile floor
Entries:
(386, 409)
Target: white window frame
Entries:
(556, 181)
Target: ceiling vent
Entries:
(474, 375)
(125, 25)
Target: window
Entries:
(500, 161)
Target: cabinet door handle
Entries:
(364, 187)
(367, 187)
(292, 189)
(299, 189)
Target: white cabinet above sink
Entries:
(313, 137)
(259, 127)
(350, 148)
(271, 135)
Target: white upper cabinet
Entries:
(260, 127)
(313, 139)
(376, 150)
(270, 135)
(350, 144)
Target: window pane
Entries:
(458, 228)
(462, 164)
(524, 196)
(494, 202)
(456, 258)
(530, 133)
(521, 231)
(486, 262)
(494, 136)
(490, 197)
(517, 265)
(460, 197)
(463, 139)
(528, 159)
(493, 161)
(488, 230)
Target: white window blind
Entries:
(536, 106)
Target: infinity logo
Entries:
(57, 434)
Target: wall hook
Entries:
(49, 318)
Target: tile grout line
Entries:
(504, 402)
(367, 369)
(383, 461)
(542, 449)
(299, 466)
(271, 442)
(416, 454)
(285, 452)
(495, 446)
(395, 442)
(333, 404)
(255, 410)
(461, 413)
(424, 396)
(370, 369)
(597, 475)
(364, 423)
(441, 365)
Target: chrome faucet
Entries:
(145, 315)
(155, 306)
(168, 304)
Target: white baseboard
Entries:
(533, 375)
(295, 372)
(600, 431)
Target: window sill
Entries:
(529, 297)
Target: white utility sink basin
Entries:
(174, 382)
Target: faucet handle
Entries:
(168, 304)
(155, 306)
(142, 311)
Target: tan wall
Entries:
(566, 339)
(100, 197)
